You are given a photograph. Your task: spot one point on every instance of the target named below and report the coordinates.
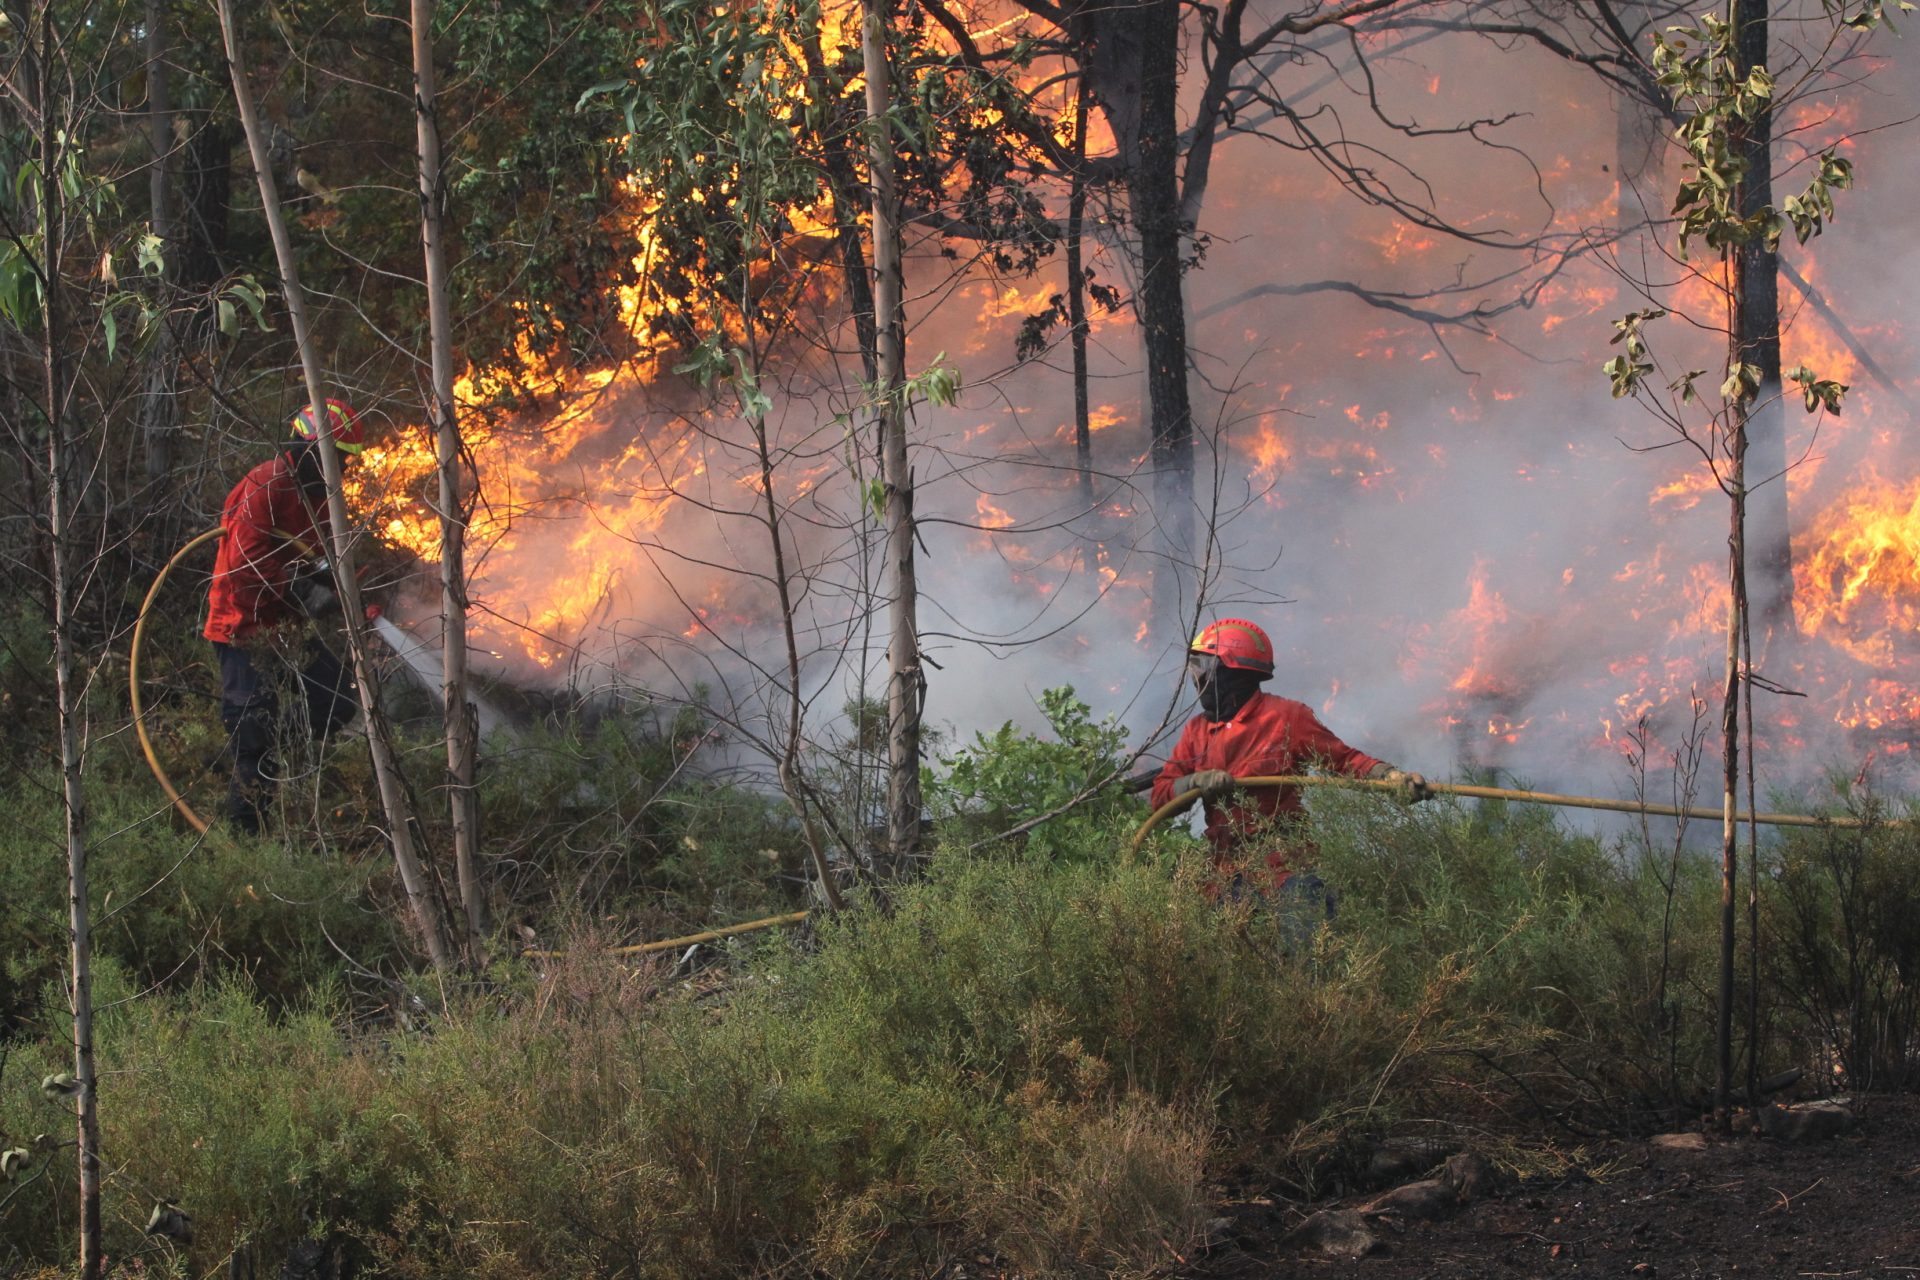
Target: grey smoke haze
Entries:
(1439, 501)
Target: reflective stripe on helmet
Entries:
(1237, 643)
(343, 424)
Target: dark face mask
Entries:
(1223, 690)
(305, 457)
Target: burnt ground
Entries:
(1743, 1206)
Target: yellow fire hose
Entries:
(1159, 816)
(1172, 807)
(133, 680)
(134, 699)
(671, 944)
(1169, 809)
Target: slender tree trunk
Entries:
(1756, 286)
(1730, 750)
(1753, 873)
(906, 682)
(791, 781)
(421, 894)
(158, 415)
(838, 156)
(208, 188)
(462, 722)
(1077, 295)
(1762, 556)
(61, 502)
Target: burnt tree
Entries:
(1756, 342)
(1131, 65)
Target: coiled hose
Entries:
(133, 680)
(134, 699)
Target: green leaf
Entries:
(228, 320)
(595, 91)
(149, 251)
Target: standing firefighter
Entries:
(270, 571)
(1244, 733)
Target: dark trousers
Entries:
(250, 710)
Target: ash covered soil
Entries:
(1748, 1205)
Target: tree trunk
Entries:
(843, 185)
(1765, 555)
(462, 722)
(209, 192)
(61, 502)
(1135, 73)
(906, 682)
(1730, 752)
(1756, 318)
(427, 909)
(791, 781)
(1077, 295)
(158, 417)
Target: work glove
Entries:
(1210, 783)
(318, 600)
(1413, 787)
(312, 591)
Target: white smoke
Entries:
(1442, 500)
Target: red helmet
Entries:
(348, 436)
(1238, 644)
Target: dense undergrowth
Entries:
(1038, 1049)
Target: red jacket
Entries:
(264, 515)
(1268, 737)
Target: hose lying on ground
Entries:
(671, 944)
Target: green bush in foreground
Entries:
(1035, 1057)
(1043, 1059)
(1602, 958)
(171, 906)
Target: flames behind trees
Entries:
(1477, 568)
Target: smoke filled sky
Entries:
(1464, 549)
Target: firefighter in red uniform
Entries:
(1244, 733)
(270, 571)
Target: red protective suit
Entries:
(265, 514)
(1269, 736)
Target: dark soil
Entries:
(1745, 1206)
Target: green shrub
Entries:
(170, 906)
(1010, 1039)
(263, 1124)
(1578, 950)
(1039, 1055)
(603, 820)
(1004, 778)
(1842, 941)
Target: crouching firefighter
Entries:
(269, 572)
(1257, 846)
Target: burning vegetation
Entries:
(1565, 586)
